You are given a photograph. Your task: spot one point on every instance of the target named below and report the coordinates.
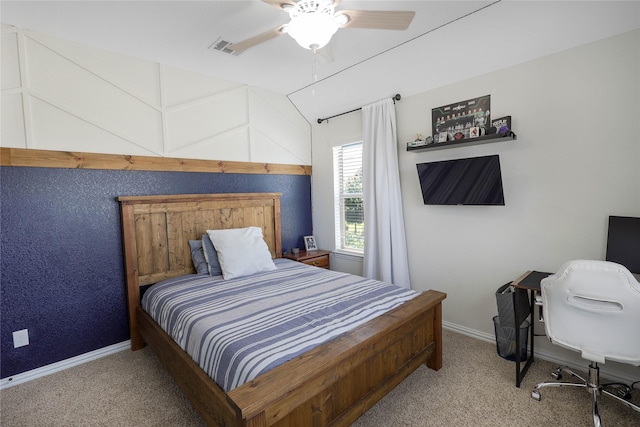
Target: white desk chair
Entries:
(592, 307)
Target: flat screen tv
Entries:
(470, 181)
(623, 242)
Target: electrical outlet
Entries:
(20, 338)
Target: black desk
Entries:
(529, 282)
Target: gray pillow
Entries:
(197, 256)
(211, 256)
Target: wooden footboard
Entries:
(332, 384)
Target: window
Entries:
(349, 214)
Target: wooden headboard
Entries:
(156, 231)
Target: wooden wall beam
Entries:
(78, 160)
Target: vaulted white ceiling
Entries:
(447, 41)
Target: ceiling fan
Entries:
(314, 22)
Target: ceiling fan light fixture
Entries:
(312, 30)
(312, 23)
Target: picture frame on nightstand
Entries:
(310, 243)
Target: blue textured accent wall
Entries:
(61, 266)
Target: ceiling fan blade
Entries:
(377, 19)
(278, 3)
(255, 40)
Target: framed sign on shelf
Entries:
(456, 120)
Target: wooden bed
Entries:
(332, 384)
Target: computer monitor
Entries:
(623, 242)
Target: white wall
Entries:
(61, 95)
(576, 161)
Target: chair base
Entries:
(592, 385)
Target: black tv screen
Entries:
(623, 242)
(470, 181)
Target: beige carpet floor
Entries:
(474, 388)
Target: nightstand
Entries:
(315, 258)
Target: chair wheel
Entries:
(535, 394)
(556, 375)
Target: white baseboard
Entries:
(469, 332)
(63, 364)
(576, 363)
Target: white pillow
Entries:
(241, 251)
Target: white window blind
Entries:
(349, 214)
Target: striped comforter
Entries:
(240, 328)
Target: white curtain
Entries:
(385, 246)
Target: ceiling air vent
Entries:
(223, 46)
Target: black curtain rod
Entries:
(395, 98)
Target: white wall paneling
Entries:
(203, 121)
(10, 76)
(12, 123)
(276, 128)
(184, 86)
(61, 95)
(12, 105)
(89, 94)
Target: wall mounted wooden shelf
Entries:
(509, 136)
